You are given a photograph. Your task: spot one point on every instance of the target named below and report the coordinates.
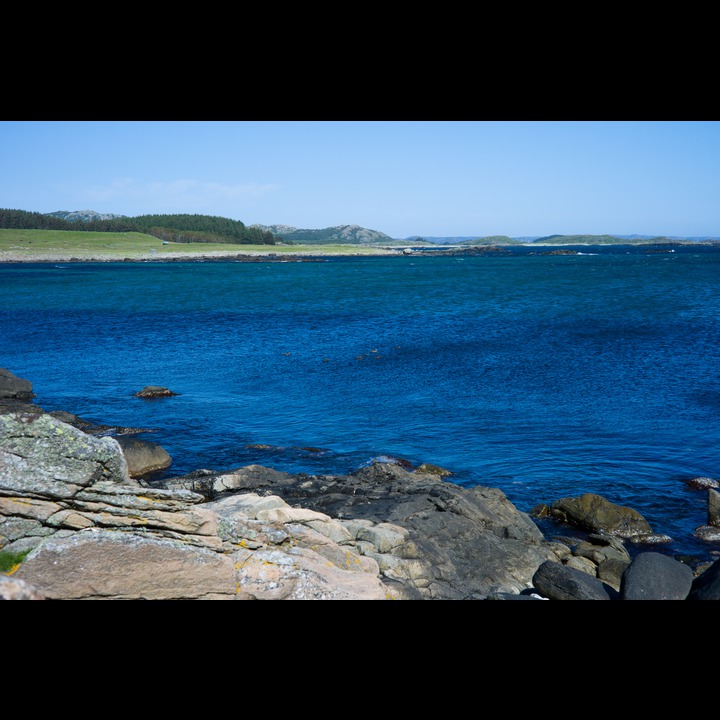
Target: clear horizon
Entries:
(401, 178)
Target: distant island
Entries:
(211, 229)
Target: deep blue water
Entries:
(543, 375)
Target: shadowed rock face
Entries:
(13, 387)
(707, 585)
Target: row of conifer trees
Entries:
(173, 228)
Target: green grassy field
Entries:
(66, 244)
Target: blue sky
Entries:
(403, 178)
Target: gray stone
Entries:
(19, 406)
(707, 585)
(713, 507)
(13, 387)
(43, 457)
(654, 576)
(461, 542)
(211, 484)
(608, 555)
(708, 533)
(513, 596)
(556, 581)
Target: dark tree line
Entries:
(173, 228)
(23, 220)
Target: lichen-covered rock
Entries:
(43, 457)
(430, 469)
(593, 512)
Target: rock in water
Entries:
(154, 391)
(143, 457)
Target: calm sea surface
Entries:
(546, 376)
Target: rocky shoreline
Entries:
(81, 515)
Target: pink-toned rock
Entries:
(105, 564)
(14, 589)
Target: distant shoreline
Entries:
(14, 257)
(301, 254)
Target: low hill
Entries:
(600, 240)
(492, 240)
(469, 241)
(342, 234)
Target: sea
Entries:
(544, 374)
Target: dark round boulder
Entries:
(654, 576)
(556, 581)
